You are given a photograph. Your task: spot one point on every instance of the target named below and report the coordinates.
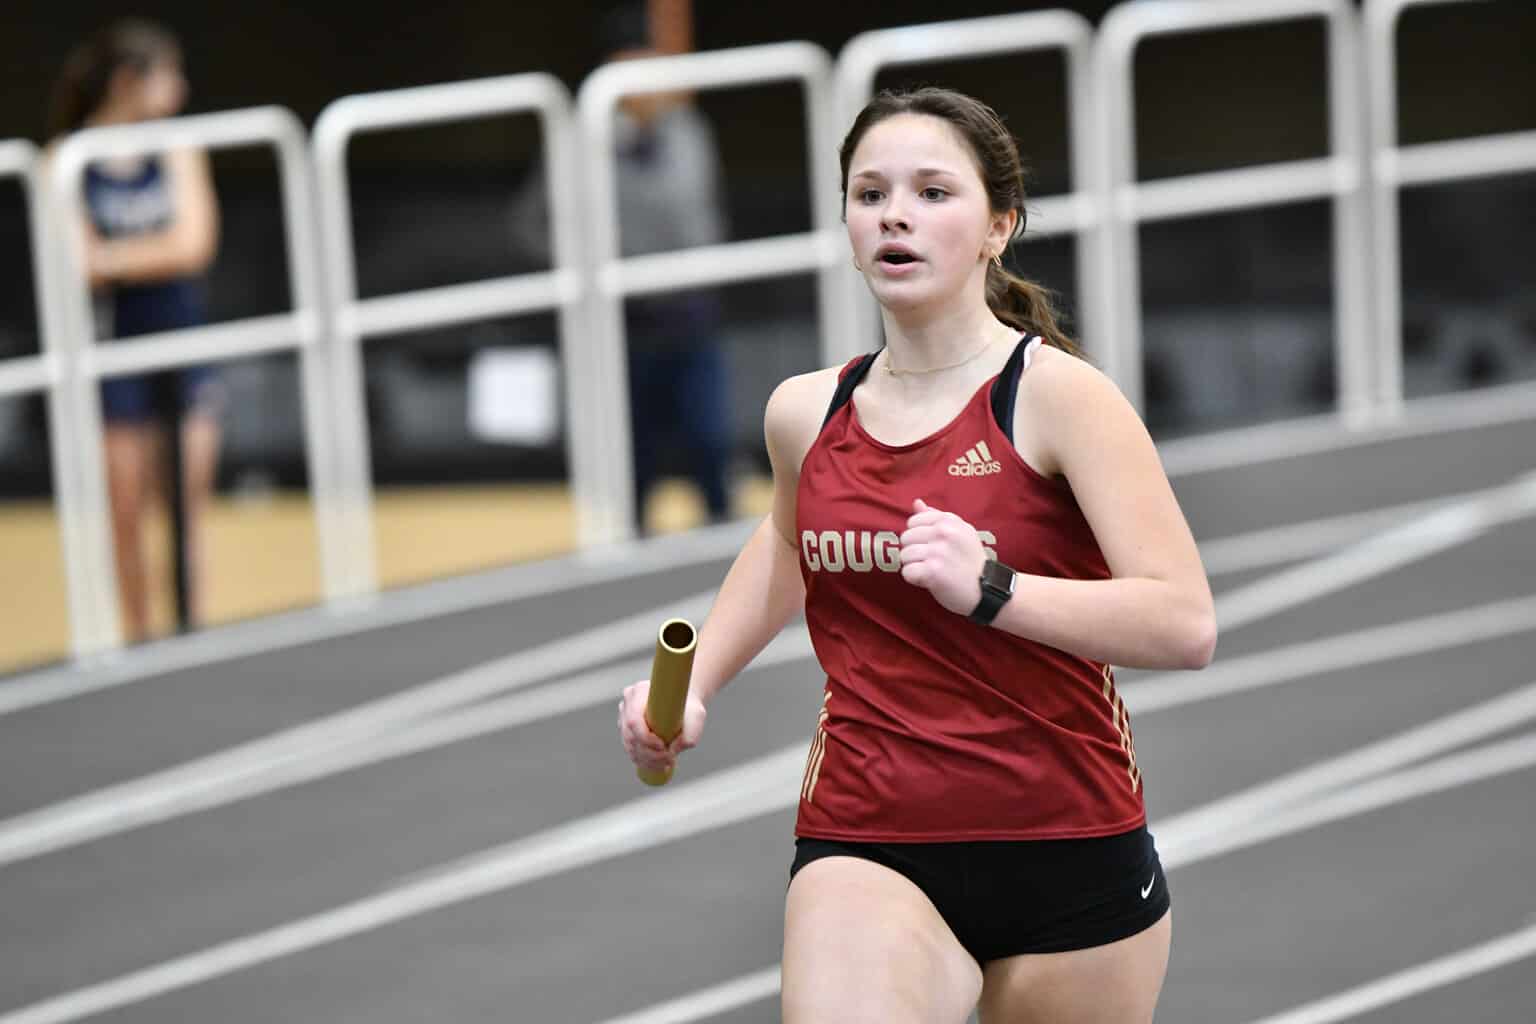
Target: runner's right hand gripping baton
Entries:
(670, 669)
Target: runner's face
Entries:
(918, 214)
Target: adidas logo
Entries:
(977, 461)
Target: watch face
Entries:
(997, 576)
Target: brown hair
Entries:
(1016, 301)
(88, 71)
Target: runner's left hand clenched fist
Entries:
(941, 553)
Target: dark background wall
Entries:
(430, 205)
(1470, 64)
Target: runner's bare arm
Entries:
(763, 589)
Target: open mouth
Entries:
(897, 258)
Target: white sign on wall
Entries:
(513, 395)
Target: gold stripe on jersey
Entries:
(1122, 719)
(817, 755)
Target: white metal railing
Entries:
(1394, 167)
(589, 281)
(612, 279)
(46, 373)
(88, 362)
(1128, 203)
(352, 320)
(867, 53)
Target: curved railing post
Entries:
(354, 320)
(1393, 166)
(49, 372)
(1129, 203)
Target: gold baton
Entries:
(670, 669)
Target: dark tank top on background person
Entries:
(932, 728)
(136, 204)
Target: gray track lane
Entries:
(259, 862)
(1257, 931)
(130, 901)
(62, 749)
(557, 945)
(1496, 566)
(1497, 997)
(58, 750)
(1222, 502)
(1201, 752)
(570, 949)
(1308, 915)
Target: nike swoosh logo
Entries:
(1147, 891)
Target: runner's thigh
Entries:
(863, 944)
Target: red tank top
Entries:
(933, 728)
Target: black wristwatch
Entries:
(997, 583)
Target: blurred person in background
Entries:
(668, 183)
(151, 233)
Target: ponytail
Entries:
(81, 87)
(1026, 306)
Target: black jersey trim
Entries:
(846, 384)
(1005, 389)
(1004, 396)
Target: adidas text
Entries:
(974, 468)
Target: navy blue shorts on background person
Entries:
(1005, 899)
(133, 399)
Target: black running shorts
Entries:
(1004, 899)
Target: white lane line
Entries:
(706, 1003)
(1437, 776)
(1258, 549)
(1449, 772)
(1446, 528)
(46, 834)
(764, 786)
(750, 790)
(1401, 640)
(1394, 988)
(390, 608)
(60, 826)
(201, 784)
(107, 812)
(1211, 823)
(557, 698)
(153, 796)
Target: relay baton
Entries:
(675, 644)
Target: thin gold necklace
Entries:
(892, 371)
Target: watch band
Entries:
(987, 608)
(997, 583)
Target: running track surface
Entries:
(358, 891)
